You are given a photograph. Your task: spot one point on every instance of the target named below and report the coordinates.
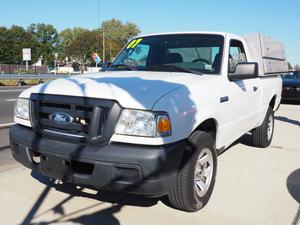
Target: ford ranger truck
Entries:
(155, 121)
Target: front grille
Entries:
(81, 118)
(91, 120)
(292, 89)
(130, 175)
(103, 118)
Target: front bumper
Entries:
(136, 169)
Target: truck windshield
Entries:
(190, 53)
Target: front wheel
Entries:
(262, 135)
(196, 178)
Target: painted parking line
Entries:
(11, 90)
(4, 125)
(11, 100)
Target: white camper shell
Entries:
(269, 53)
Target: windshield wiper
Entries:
(172, 68)
(121, 66)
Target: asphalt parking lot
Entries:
(253, 186)
(8, 96)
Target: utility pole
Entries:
(99, 14)
(103, 33)
(103, 60)
(109, 51)
(26, 65)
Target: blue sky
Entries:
(277, 18)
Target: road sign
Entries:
(96, 58)
(26, 54)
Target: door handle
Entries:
(224, 99)
(255, 88)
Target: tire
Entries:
(262, 135)
(186, 193)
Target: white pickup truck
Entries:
(154, 123)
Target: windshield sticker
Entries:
(134, 43)
(131, 43)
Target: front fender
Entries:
(186, 112)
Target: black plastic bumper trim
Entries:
(146, 170)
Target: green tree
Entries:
(80, 50)
(290, 68)
(66, 37)
(5, 46)
(79, 44)
(46, 37)
(118, 32)
(21, 39)
(12, 41)
(111, 49)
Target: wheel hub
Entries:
(203, 172)
(270, 128)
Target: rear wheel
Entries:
(262, 135)
(196, 178)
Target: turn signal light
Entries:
(163, 125)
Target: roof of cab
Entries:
(184, 32)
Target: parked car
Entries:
(62, 70)
(154, 123)
(291, 87)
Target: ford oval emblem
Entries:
(61, 118)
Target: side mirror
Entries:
(244, 71)
(105, 66)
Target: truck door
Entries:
(243, 95)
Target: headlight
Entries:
(143, 123)
(22, 108)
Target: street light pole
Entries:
(103, 43)
(109, 51)
(103, 33)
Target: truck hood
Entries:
(132, 89)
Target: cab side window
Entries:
(236, 55)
